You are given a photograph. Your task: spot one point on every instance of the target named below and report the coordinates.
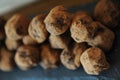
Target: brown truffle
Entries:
(17, 27)
(6, 60)
(94, 61)
(80, 24)
(49, 57)
(58, 20)
(103, 37)
(107, 13)
(60, 41)
(71, 58)
(37, 29)
(83, 29)
(27, 57)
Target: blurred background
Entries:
(30, 7)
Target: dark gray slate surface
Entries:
(62, 73)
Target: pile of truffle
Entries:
(60, 37)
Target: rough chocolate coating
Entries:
(108, 13)
(37, 29)
(94, 61)
(6, 60)
(71, 58)
(17, 27)
(60, 41)
(103, 38)
(80, 26)
(49, 57)
(84, 29)
(27, 57)
(58, 20)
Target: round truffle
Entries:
(27, 57)
(101, 37)
(49, 57)
(60, 41)
(17, 27)
(107, 12)
(37, 29)
(58, 20)
(6, 60)
(71, 58)
(93, 61)
(79, 27)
